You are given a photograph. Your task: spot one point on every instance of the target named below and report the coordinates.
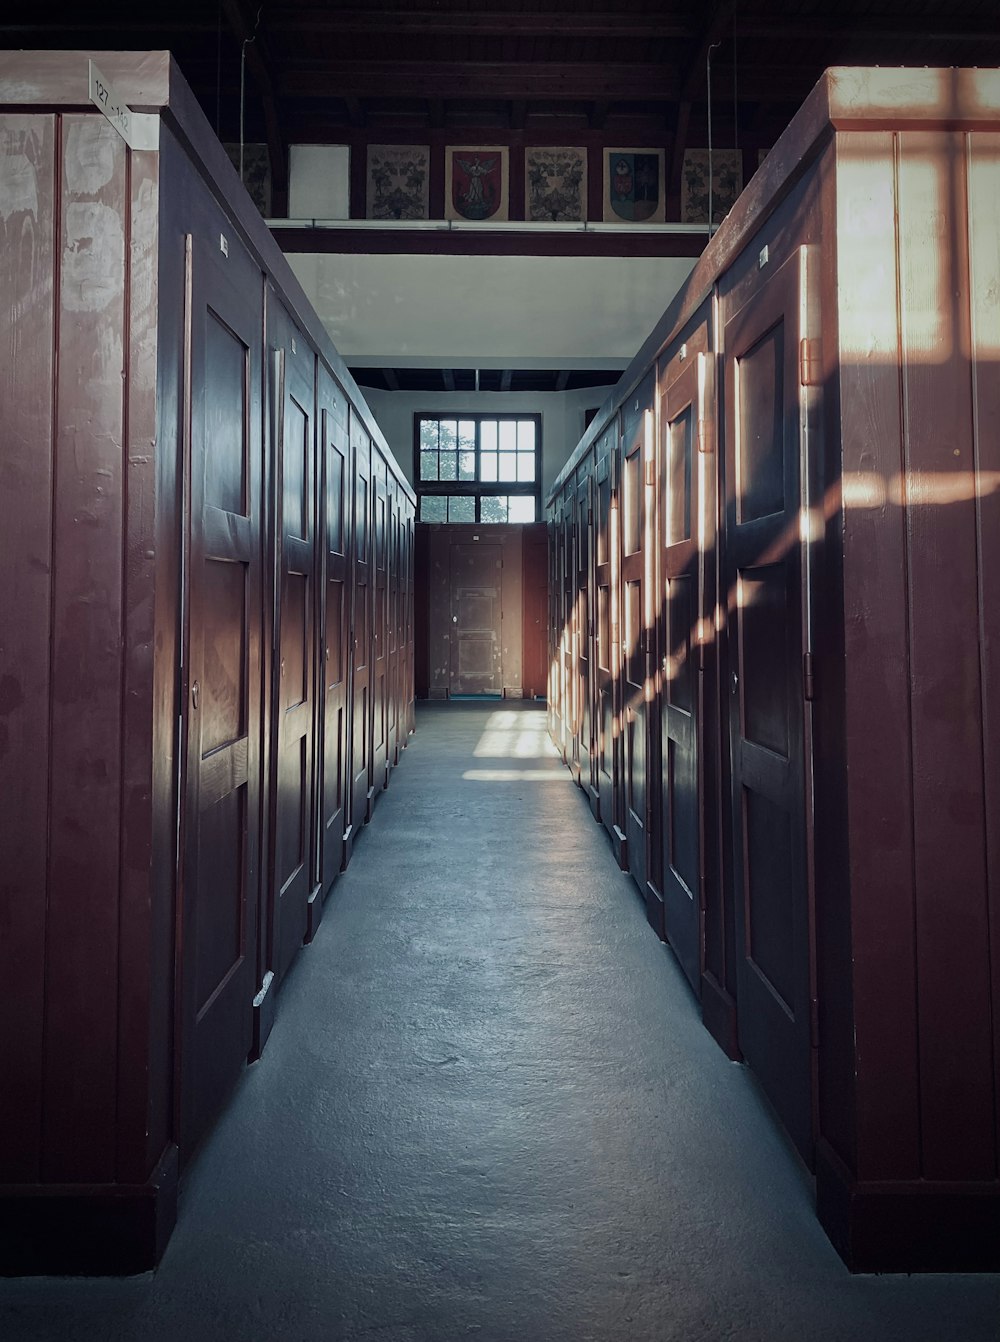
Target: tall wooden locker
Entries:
(822, 846)
(178, 550)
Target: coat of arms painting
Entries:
(476, 183)
(633, 186)
(555, 184)
(398, 181)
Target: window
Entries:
(478, 468)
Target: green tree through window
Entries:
(478, 468)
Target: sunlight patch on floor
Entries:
(515, 735)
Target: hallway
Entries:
(489, 1109)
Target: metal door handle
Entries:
(736, 681)
(195, 694)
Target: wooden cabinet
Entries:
(819, 752)
(206, 540)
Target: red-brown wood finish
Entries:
(846, 752)
(145, 734)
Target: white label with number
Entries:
(138, 130)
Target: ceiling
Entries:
(603, 71)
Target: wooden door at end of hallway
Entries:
(476, 619)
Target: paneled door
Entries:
(476, 637)
(763, 580)
(361, 625)
(221, 675)
(335, 519)
(636, 584)
(293, 811)
(380, 634)
(584, 633)
(682, 417)
(606, 641)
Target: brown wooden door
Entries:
(584, 633)
(476, 634)
(221, 866)
(682, 411)
(635, 491)
(361, 623)
(380, 631)
(568, 721)
(606, 640)
(293, 706)
(763, 573)
(395, 627)
(335, 614)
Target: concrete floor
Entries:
(488, 1110)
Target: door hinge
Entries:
(810, 362)
(814, 1022)
(808, 676)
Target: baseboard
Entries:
(619, 843)
(314, 913)
(95, 1230)
(907, 1226)
(263, 1016)
(718, 1015)
(348, 849)
(654, 909)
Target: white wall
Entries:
(489, 311)
(562, 418)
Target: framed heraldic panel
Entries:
(398, 181)
(633, 186)
(555, 184)
(476, 183)
(726, 184)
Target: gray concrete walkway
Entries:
(488, 1110)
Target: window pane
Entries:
(526, 465)
(449, 435)
(522, 508)
(467, 465)
(429, 434)
(461, 508)
(488, 465)
(526, 435)
(467, 434)
(428, 465)
(508, 465)
(449, 465)
(433, 508)
(508, 435)
(493, 508)
(488, 435)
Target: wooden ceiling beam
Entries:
(388, 21)
(515, 80)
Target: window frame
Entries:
(478, 488)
